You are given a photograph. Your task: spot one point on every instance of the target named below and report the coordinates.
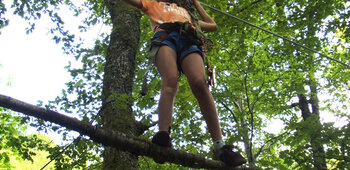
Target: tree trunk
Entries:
(117, 101)
(318, 153)
(318, 150)
(244, 132)
(248, 145)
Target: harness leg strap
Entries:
(151, 60)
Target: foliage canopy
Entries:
(261, 79)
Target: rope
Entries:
(205, 41)
(274, 34)
(75, 142)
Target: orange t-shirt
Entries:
(164, 12)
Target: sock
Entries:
(218, 145)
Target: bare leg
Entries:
(194, 70)
(166, 64)
(193, 67)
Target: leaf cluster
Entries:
(14, 143)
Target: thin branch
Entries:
(272, 140)
(250, 5)
(249, 108)
(294, 105)
(230, 110)
(141, 127)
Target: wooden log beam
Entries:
(112, 138)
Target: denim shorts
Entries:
(180, 44)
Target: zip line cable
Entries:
(274, 34)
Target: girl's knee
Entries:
(169, 86)
(199, 86)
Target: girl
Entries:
(176, 54)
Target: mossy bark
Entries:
(117, 101)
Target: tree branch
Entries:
(250, 5)
(112, 138)
(272, 140)
(294, 105)
(228, 109)
(143, 127)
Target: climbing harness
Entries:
(205, 42)
(210, 70)
(192, 32)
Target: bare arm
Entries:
(207, 23)
(135, 3)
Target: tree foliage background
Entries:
(261, 79)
